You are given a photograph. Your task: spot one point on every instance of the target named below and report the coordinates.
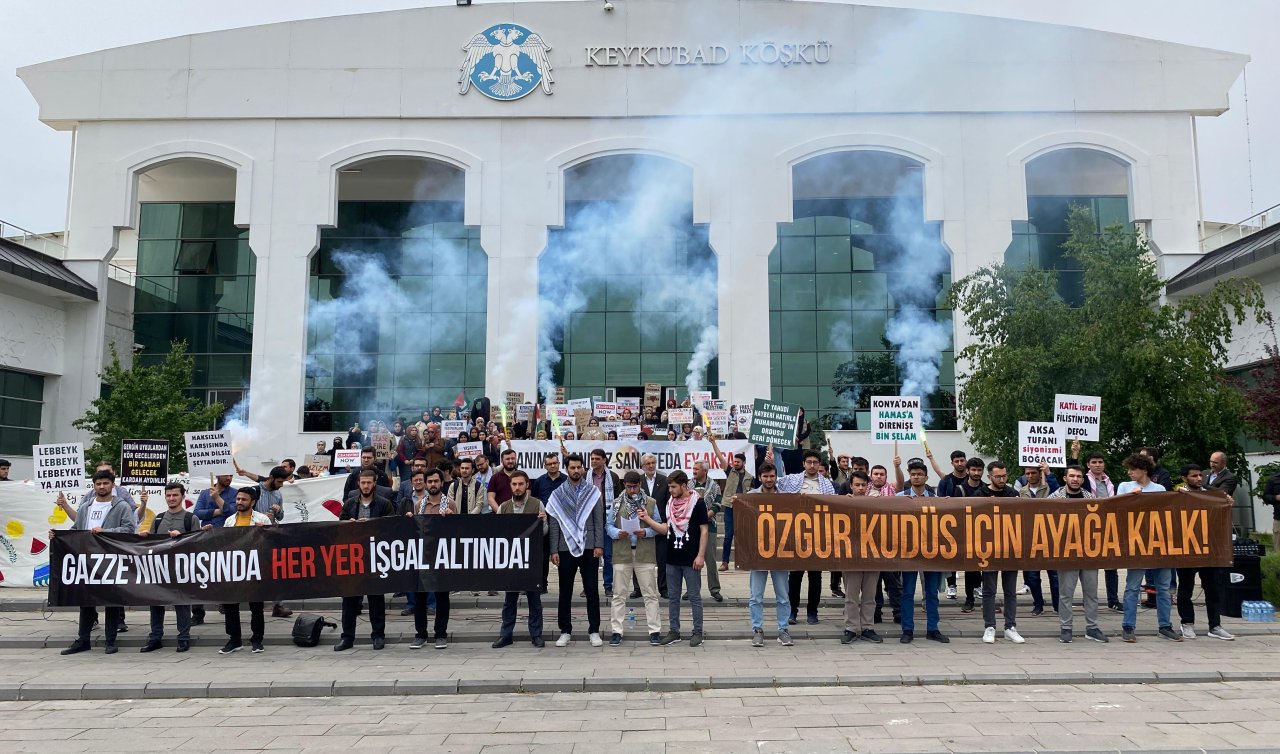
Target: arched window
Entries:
(627, 287)
(857, 291)
(398, 298)
(1056, 182)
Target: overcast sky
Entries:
(34, 158)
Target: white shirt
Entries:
(810, 486)
(98, 512)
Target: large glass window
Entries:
(195, 283)
(628, 285)
(415, 280)
(21, 402)
(1056, 182)
(857, 277)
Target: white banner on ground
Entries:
(1080, 415)
(623, 456)
(59, 466)
(1041, 442)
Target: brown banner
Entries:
(846, 533)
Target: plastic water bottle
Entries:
(1249, 610)
(631, 615)
(1268, 612)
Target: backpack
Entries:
(187, 523)
(307, 628)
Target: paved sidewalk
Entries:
(1223, 717)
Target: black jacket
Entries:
(986, 491)
(1271, 496)
(353, 482)
(381, 506)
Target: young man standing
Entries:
(917, 476)
(686, 532)
(467, 491)
(1073, 489)
(634, 557)
(576, 509)
(1212, 580)
(102, 512)
(429, 502)
(1140, 468)
(521, 502)
(366, 503)
(860, 586)
(768, 476)
(542, 488)
(1097, 482)
(608, 485)
(971, 487)
(173, 522)
(998, 486)
(808, 482)
(654, 485)
(1037, 487)
(709, 492)
(245, 515)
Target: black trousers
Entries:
(111, 622)
(420, 615)
(972, 581)
(891, 582)
(377, 616)
(1213, 580)
(546, 561)
(231, 619)
(660, 547)
(588, 566)
(815, 591)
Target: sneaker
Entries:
(635, 594)
(1218, 632)
(718, 597)
(977, 592)
(989, 635)
(672, 637)
(406, 611)
(907, 637)
(784, 638)
(967, 607)
(1168, 633)
(564, 640)
(696, 639)
(812, 619)
(951, 592)
(110, 649)
(615, 640)
(792, 620)
(1188, 631)
(837, 591)
(1128, 635)
(418, 642)
(1115, 607)
(871, 636)
(848, 637)
(257, 647)
(1037, 611)
(596, 641)
(279, 611)
(937, 636)
(1064, 636)
(1024, 589)
(1011, 633)
(757, 638)
(655, 639)
(231, 646)
(442, 642)
(1096, 635)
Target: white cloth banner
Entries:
(623, 456)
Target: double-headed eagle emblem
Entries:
(504, 78)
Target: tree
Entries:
(146, 402)
(1158, 367)
(1263, 417)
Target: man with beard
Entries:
(521, 502)
(428, 501)
(1212, 580)
(364, 504)
(860, 586)
(245, 515)
(635, 556)
(1073, 489)
(768, 476)
(577, 534)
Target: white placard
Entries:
(895, 418)
(699, 398)
(629, 432)
(580, 404)
(60, 467)
(744, 415)
(524, 412)
(714, 404)
(680, 416)
(209, 453)
(469, 450)
(631, 403)
(1079, 415)
(719, 420)
(605, 409)
(346, 459)
(1041, 442)
(608, 427)
(562, 410)
(450, 429)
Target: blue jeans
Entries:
(932, 580)
(411, 599)
(728, 534)
(608, 565)
(755, 604)
(1133, 588)
(691, 581)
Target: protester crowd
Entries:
(651, 537)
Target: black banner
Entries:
(144, 462)
(295, 561)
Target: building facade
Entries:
(365, 216)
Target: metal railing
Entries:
(1231, 233)
(45, 243)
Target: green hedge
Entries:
(1271, 578)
